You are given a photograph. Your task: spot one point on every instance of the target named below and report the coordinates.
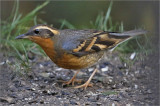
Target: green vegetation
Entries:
(110, 93)
(14, 26)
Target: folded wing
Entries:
(102, 40)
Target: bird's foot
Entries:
(85, 85)
(72, 81)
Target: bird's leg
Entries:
(86, 84)
(73, 79)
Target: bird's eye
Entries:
(36, 31)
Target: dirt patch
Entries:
(131, 82)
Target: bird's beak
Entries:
(23, 36)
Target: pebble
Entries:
(103, 65)
(46, 75)
(135, 86)
(128, 104)
(73, 102)
(98, 103)
(132, 56)
(125, 65)
(66, 104)
(41, 66)
(27, 99)
(149, 91)
(59, 69)
(113, 104)
(7, 61)
(7, 99)
(2, 63)
(105, 69)
(92, 99)
(33, 89)
(34, 84)
(64, 93)
(90, 69)
(36, 79)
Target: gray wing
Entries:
(73, 38)
(83, 42)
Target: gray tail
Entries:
(130, 33)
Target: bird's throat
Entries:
(46, 44)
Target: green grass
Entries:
(110, 93)
(15, 25)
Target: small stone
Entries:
(33, 89)
(110, 80)
(132, 56)
(128, 104)
(27, 99)
(126, 72)
(149, 91)
(103, 65)
(41, 66)
(7, 99)
(46, 75)
(64, 93)
(2, 63)
(35, 79)
(41, 102)
(125, 65)
(105, 69)
(58, 69)
(92, 99)
(34, 84)
(135, 86)
(113, 104)
(7, 61)
(114, 86)
(66, 104)
(73, 102)
(98, 103)
(90, 69)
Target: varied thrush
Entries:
(76, 49)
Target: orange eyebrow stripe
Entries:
(45, 27)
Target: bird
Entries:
(77, 49)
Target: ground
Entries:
(120, 81)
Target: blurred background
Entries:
(20, 56)
(133, 14)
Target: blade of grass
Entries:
(25, 52)
(17, 51)
(67, 24)
(16, 11)
(107, 16)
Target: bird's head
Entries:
(42, 31)
(39, 34)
